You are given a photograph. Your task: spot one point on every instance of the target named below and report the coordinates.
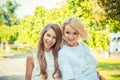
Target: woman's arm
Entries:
(29, 67)
(100, 76)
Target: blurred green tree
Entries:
(7, 13)
(1, 16)
(111, 7)
(112, 13)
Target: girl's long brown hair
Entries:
(55, 48)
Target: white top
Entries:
(77, 63)
(50, 66)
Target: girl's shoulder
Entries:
(30, 59)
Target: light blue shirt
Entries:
(77, 63)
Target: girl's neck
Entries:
(47, 50)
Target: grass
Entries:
(109, 68)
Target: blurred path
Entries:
(13, 68)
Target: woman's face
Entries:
(49, 39)
(71, 36)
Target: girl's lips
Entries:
(48, 43)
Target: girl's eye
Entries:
(48, 35)
(54, 37)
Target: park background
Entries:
(19, 35)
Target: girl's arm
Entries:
(29, 67)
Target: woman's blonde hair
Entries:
(76, 24)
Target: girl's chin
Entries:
(47, 49)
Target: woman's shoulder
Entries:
(83, 44)
(63, 48)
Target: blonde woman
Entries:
(74, 58)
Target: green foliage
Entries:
(4, 33)
(112, 13)
(114, 26)
(8, 34)
(99, 40)
(9, 17)
(111, 7)
(29, 29)
(1, 16)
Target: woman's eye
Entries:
(75, 33)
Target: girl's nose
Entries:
(50, 39)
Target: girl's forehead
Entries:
(51, 32)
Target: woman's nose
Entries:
(71, 36)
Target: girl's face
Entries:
(49, 39)
(71, 36)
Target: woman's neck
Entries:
(71, 45)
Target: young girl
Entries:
(42, 65)
(74, 58)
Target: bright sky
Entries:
(28, 6)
